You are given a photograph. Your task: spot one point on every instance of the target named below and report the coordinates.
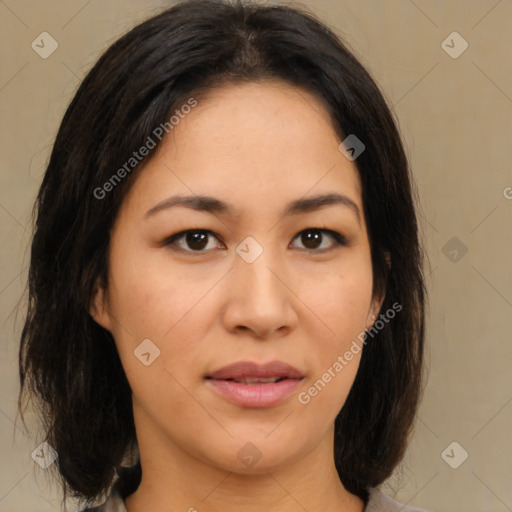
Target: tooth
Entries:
(258, 380)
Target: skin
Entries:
(256, 147)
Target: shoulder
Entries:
(113, 503)
(126, 482)
(379, 502)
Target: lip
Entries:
(255, 395)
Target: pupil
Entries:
(310, 239)
(197, 240)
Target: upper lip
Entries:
(249, 369)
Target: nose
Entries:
(259, 299)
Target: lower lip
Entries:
(254, 395)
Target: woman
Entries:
(226, 277)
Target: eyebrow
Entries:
(213, 205)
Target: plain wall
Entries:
(455, 115)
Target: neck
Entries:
(173, 480)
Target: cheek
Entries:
(148, 300)
(167, 311)
(342, 301)
(327, 391)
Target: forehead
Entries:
(267, 142)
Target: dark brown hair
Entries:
(70, 364)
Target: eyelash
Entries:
(338, 238)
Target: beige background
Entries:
(456, 118)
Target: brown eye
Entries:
(196, 240)
(313, 238)
(192, 240)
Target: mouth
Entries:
(248, 384)
(255, 380)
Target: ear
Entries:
(377, 301)
(98, 308)
(387, 256)
(374, 310)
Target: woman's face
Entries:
(260, 282)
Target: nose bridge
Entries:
(255, 271)
(257, 297)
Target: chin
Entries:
(257, 454)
